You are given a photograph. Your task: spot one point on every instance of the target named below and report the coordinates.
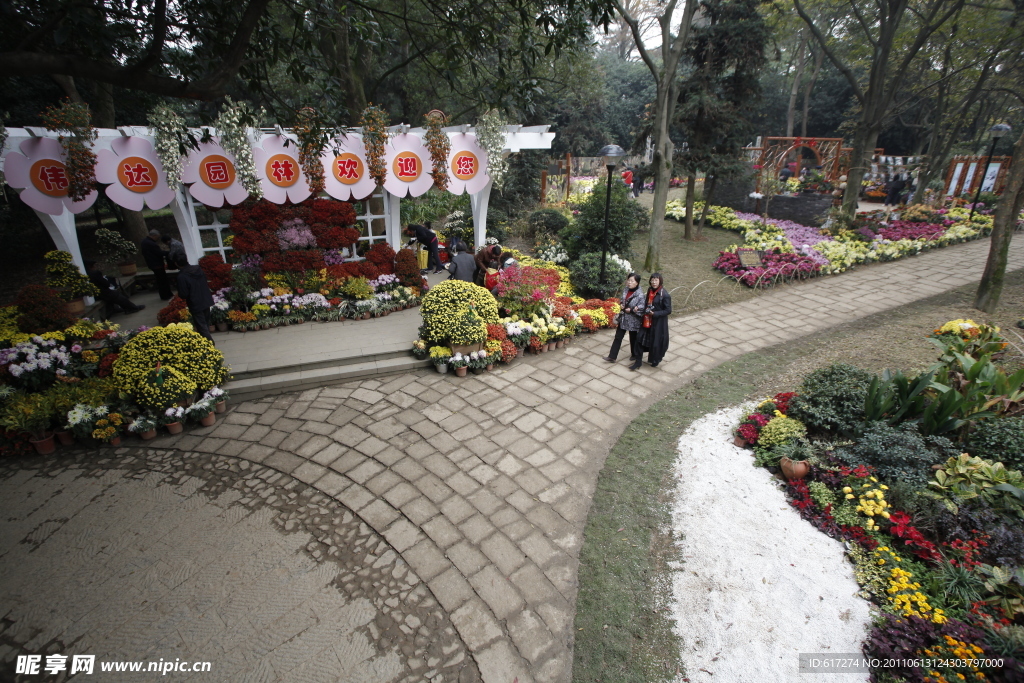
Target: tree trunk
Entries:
(795, 89)
(819, 59)
(662, 163)
(709, 193)
(991, 286)
(691, 188)
(860, 161)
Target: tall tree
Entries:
(894, 32)
(716, 100)
(204, 49)
(1010, 206)
(673, 32)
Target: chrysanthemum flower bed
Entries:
(298, 263)
(920, 477)
(534, 308)
(793, 251)
(97, 383)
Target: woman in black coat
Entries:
(653, 337)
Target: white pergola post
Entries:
(65, 237)
(393, 219)
(185, 216)
(479, 203)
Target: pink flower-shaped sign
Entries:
(408, 165)
(134, 174)
(467, 165)
(211, 176)
(38, 171)
(277, 167)
(346, 174)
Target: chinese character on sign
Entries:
(465, 166)
(138, 175)
(408, 167)
(283, 170)
(348, 168)
(28, 664)
(56, 663)
(53, 178)
(217, 171)
(82, 663)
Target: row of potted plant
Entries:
(921, 477)
(94, 381)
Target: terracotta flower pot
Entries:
(490, 367)
(116, 441)
(174, 427)
(222, 406)
(147, 435)
(461, 372)
(65, 438)
(222, 327)
(793, 470)
(552, 346)
(75, 307)
(44, 446)
(739, 441)
(559, 344)
(208, 420)
(366, 316)
(128, 268)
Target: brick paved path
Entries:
(482, 484)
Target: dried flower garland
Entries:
(374, 123)
(74, 123)
(440, 146)
(313, 138)
(490, 133)
(172, 141)
(232, 124)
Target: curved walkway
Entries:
(482, 485)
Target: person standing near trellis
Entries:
(156, 260)
(896, 187)
(428, 238)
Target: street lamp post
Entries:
(611, 154)
(997, 131)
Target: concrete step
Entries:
(270, 381)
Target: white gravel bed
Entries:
(758, 584)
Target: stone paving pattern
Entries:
(482, 484)
(150, 555)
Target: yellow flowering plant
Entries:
(63, 275)
(440, 355)
(444, 307)
(164, 364)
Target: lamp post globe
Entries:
(612, 154)
(997, 131)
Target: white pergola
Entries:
(62, 226)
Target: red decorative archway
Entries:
(833, 158)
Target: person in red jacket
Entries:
(627, 177)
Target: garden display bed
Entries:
(467, 328)
(920, 477)
(790, 251)
(296, 265)
(94, 384)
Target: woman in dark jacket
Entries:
(632, 304)
(653, 337)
